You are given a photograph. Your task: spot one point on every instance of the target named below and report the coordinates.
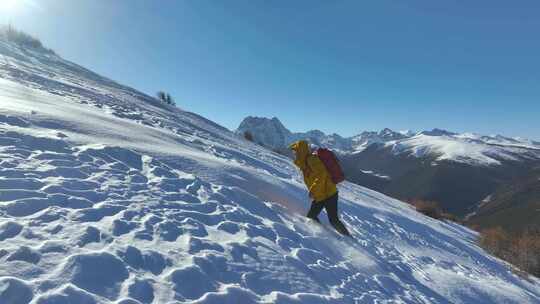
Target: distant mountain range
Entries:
(438, 144)
(459, 171)
(273, 134)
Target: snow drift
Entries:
(107, 196)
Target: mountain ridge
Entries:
(464, 147)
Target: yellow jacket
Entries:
(316, 177)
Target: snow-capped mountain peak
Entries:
(388, 135)
(268, 131)
(438, 132)
(407, 133)
(436, 144)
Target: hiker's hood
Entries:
(302, 151)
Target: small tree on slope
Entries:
(165, 98)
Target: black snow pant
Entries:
(330, 204)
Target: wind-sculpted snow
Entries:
(116, 200)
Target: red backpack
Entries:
(331, 163)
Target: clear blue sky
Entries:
(338, 66)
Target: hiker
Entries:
(322, 190)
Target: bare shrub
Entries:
(428, 208)
(474, 227)
(521, 250)
(525, 252)
(22, 39)
(495, 241)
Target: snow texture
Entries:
(107, 196)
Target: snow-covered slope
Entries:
(460, 148)
(439, 145)
(108, 197)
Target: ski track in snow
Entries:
(106, 197)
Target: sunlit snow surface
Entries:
(465, 149)
(108, 197)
